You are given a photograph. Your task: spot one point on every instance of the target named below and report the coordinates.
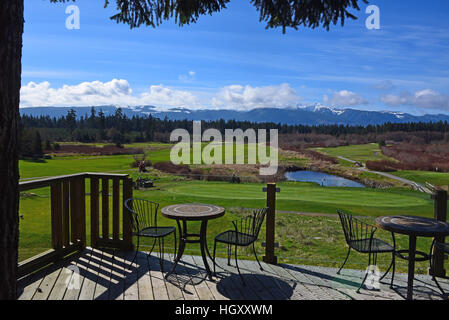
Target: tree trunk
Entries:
(11, 30)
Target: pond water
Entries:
(323, 179)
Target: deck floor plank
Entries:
(211, 285)
(47, 284)
(200, 285)
(144, 279)
(117, 280)
(28, 285)
(160, 291)
(229, 282)
(81, 263)
(300, 291)
(185, 281)
(266, 282)
(62, 283)
(131, 284)
(105, 275)
(91, 274)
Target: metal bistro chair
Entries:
(245, 233)
(144, 224)
(360, 237)
(443, 247)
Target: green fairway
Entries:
(361, 153)
(306, 197)
(436, 178)
(75, 164)
(155, 153)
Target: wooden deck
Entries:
(103, 275)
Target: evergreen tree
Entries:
(37, 145)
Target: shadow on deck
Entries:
(105, 275)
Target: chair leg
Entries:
(162, 255)
(347, 256)
(176, 245)
(137, 250)
(229, 254)
(160, 251)
(213, 260)
(257, 259)
(151, 250)
(366, 274)
(389, 268)
(431, 268)
(394, 269)
(237, 265)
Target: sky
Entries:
(231, 61)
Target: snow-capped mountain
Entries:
(305, 115)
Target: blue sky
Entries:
(229, 60)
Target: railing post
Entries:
(270, 224)
(66, 213)
(94, 212)
(105, 208)
(440, 197)
(82, 211)
(78, 210)
(115, 209)
(56, 216)
(127, 227)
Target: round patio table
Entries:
(192, 212)
(413, 227)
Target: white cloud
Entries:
(115, 92)
(245, 98)
(424, 99)
(166, 97)
(344, 98)
(189, 77)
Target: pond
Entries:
(323, 179)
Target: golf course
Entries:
(307, 227)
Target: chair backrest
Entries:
(355, 229)
(143, 213)
(251, 224)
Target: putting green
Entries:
(302, 193)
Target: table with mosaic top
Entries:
(183, 213)
(413, 227)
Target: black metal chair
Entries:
(144, 224)
(360, 237)
(245, 233)
(444, 247)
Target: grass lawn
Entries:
(302, 239)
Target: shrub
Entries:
(169, 167)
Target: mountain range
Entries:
(304, 115)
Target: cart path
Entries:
(414, 184)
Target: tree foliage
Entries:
(275, 13)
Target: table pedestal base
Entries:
(184, 238)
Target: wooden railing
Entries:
(69, 213)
